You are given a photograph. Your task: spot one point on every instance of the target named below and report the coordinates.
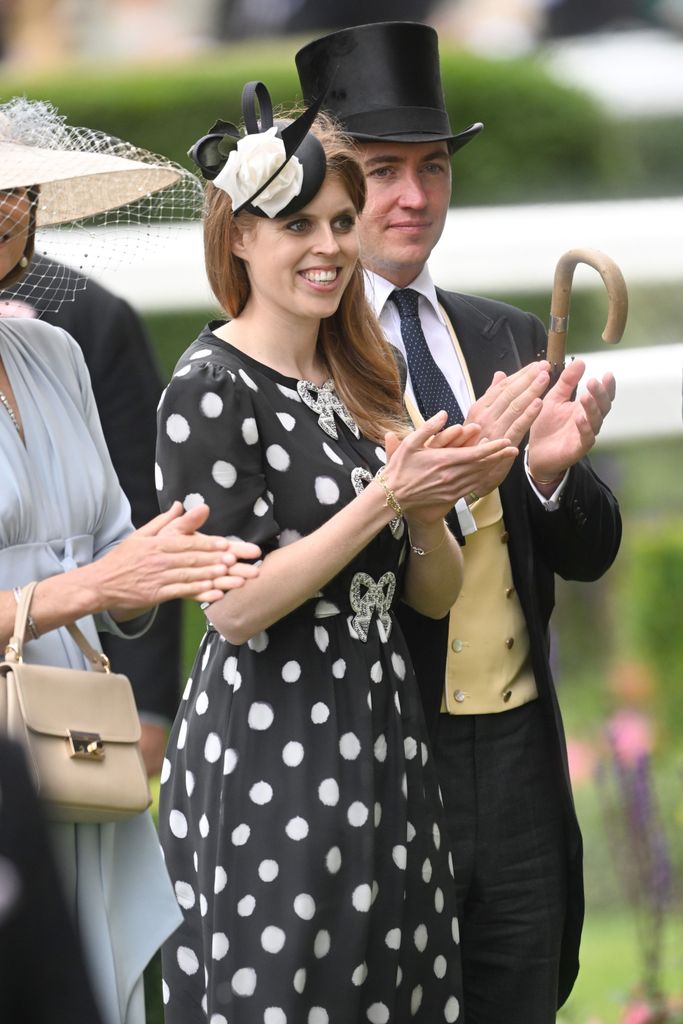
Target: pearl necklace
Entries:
(10, 410)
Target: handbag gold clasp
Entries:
(88, 745)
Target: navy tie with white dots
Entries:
(432, 390)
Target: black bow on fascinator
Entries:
(274, 169)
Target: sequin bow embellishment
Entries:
(326, 403)
(367, 597)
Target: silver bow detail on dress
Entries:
(325, 401)
(360, 478)
(367, 597)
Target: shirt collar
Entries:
(378, 290)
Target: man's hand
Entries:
(510, 405)
(566, 428)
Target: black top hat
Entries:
(382, 83)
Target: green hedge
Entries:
(541, 141)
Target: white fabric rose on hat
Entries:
(256, 158)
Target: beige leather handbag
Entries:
(79, 728)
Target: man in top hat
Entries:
(498, 739)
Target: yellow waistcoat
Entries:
(489, 667)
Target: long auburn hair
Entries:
(351, 342)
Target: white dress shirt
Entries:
(378, 291)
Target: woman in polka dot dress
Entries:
(299, 815)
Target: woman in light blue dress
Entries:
(64, 521)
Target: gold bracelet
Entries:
(391, 500)
(421, 551)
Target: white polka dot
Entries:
(206, 655)
(158, 477)
(436, 835)
(450, 865)
(246, 906)
(378, 813)
(410, 831)
(416, 999)
(183, 370)
(319, 713)
(339, 668)
(304, 906)
(393, 938)
(213, 748)
(177, 428)
(268, 870)
(165, 771)
(380, 748)
(420, 938)
(187, 960)
(300, 980)
(410, 747)
(328, 792)
(272, 939)
(203, 826)
(277, 457)
(361, 897)
(287, 421)
(438, 900)
(399, 976)
(317, 1015)
(404, 786)
(291, 671)
(260, 507)
(288, 537)
(321, 637)
(224, 473)
(202, 703)
(321, 944)
(260, 716)
(381, 454)
(427, 871)
(326, 490)
(230, 670)
(182, 734)
(220, 879)
(349, 746)
(201, 353)
(178, 824)
(360, 974)
(440, 966)
(357, 814)
(378, 1013)
(188, 689)
(165, 993)
(244, 981)
(399, 665)
(258, 642)
(249, 430)
(292, 754)
(333, 860)
(261, 793)
(375, 891)
(451, 1010)
(455, 930)
(397, 702)
(331, 454)
(247, 380)
(184, 893)
(229, 761)
(376, 672)
(191, 501)
(274, 1015)
(240, 834)
(216, 1018)
(220, 944)
(297, 828)
(203, 905)
(399, 856)
(211, 405)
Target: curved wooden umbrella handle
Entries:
(559, 305)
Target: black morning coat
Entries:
(579, 541)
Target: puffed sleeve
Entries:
(208, 449)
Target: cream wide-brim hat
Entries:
(77, 185)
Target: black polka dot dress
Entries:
(299, 813)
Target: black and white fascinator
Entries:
(273, 168)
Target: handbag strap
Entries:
(14, 649)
